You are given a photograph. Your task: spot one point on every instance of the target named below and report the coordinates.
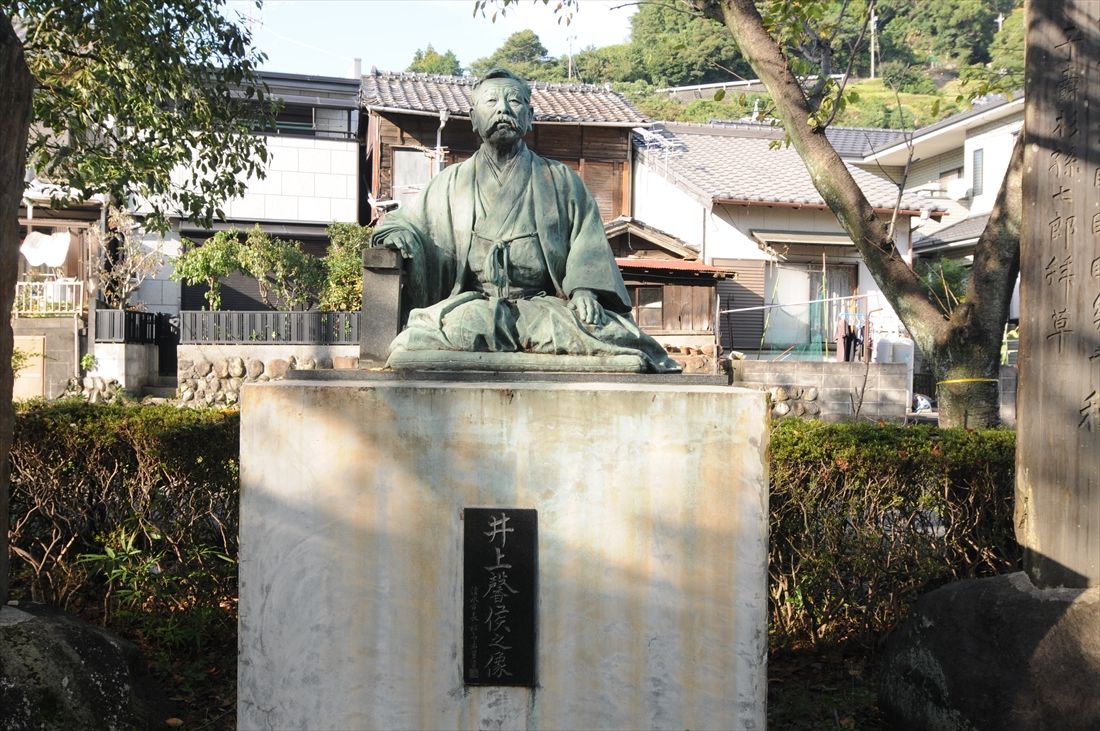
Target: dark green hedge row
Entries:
(863, 517)
(866, 517)
(158, 483)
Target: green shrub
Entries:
(865, 517)
(128, 516)
(904, 77)
(83, 474)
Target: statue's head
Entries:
(500, 107)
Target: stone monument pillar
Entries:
(500, 552)
(1058, 401)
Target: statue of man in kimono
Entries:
(506, 251)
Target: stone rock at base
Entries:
(810, 394)
(324, 362)
(58, 672)
(780, 393)
(237, 367)
(254, 369)
(221, 368)
(305, 364)
(995, 653)
(345, 362)
(183, 365)
(811, 408)
(781, 409)
(235, 384)
(203, 368)
(277, 368)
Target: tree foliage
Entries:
(123, 261)
(676, 47)
(146, 100)
(944, 32)
(523, 53)
(343, 262)
(431, 61)
(208, 264)
(288, 277)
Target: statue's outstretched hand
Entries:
(400, 241)
(588, 307)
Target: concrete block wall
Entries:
(133, 365)
(63, 337)
(309, 180)
(834, 387)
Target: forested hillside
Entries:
(928, 55)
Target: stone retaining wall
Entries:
(829, 390)
(214, 374)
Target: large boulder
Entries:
(57, 672)
(995, 653)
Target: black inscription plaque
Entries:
(500, 567)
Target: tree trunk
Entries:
(966, 360)
(964, 347)
(15, 101)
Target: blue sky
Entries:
(323, 36)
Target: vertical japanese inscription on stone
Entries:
(1058, 403)
(500, 567)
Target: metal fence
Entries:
(51, 298)
(290, 328)
(123, 326)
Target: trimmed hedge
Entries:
(88, 478)
(864, 518)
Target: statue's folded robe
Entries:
(574, 248)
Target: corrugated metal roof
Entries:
(679, 265)
(718, 163)
(431, 93)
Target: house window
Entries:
(648, 306)
(805, 303)
(979, 171)
(947, 176)
(295, 118)
(412, 169)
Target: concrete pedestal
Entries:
(652, 510)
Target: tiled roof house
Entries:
(417, 123)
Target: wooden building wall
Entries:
(600, 155)
(687, 308)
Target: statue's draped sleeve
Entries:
(425, 229)
(589, 262)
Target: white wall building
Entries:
(312, 180)
(750, 206)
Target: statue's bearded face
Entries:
(500, 113)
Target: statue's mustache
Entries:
(503, 121)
